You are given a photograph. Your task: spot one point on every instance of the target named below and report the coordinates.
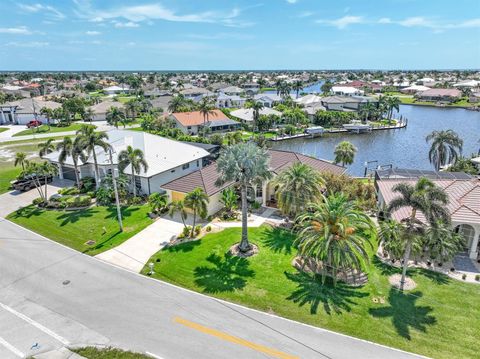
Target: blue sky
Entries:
(242, 34)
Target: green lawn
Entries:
(53, 128)
(440, 318)
(3, 129)
(75, 228)
(108, 353)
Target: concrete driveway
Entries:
(135, 252)
(13, 200)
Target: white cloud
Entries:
(49, 10)
(27, 44)
(119, 24)
(416, 21)
(93, 33)
(343, 22)
(156, 11)
(20, 30)
(385, 20)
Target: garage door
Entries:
(68, 173)
(177, 196)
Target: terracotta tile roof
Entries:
(195, 118)
(279, 160)
(464, 198)
(437, 92)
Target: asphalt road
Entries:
(52, 296)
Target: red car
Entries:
(34, 123)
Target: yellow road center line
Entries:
(236, 340)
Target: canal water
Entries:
(403, 148)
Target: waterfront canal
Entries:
(405, 148)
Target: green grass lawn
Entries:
(53, 129)
(108, 353)
(440, 318)
(3, 129)
(75, 228)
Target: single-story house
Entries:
(439, 94)
(463, 193)
(15, 90)
(23, 111)
(468, 84)
(309, 100)
(268, 99)
(167, 159)
(196, 93)
(414, 89)
(206, 177)
(312, 109)
(115, 90)
(161, 102)
(232, 90)
(346, 103)
(251, 88)
(192, 122)
(346, 91)
(246, 114)
(100, 110)
(229, 101)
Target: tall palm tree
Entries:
(46, 147)
(21, 160)
(91, 141)
(446, 147)
(136, 160)
(393, 103)
(88, 115)
(116, 116)
(197, 201)
(442, 242)
(68, 147)
(297, 86)
(367, 110)
(345, 153)
(206, 108)
(423, 196)
(158, 201)
(336, 233)
(296, 187)
(178, 207)
(245, 164)
(256, 106)
(48, 113)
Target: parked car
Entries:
(34, 123)
(26, 183)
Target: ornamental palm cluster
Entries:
(446, 147)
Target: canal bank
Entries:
(405, 147)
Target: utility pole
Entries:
(119, 212)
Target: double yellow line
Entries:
(236, 340)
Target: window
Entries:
(172, 171)
(198, 163)
(186, 166)
(189, 127)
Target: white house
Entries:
(167, 159)
(346, 91)
(246, 114)
(100, 110)
(268, 99)
(229, 101)
(23, 111)
(115, 90)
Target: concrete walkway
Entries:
(12, 129)
(255, 220)
(135, 252)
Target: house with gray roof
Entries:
(23, 111)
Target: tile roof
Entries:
(441, 92)
(195, 118)
(464, 198)
(279, 160)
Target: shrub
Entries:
(69, 190)
(198, 229)
(464, 276)
(135, 200)
(104, 196)
(208, 228)
(186, 231)
(87, 184)
(255, 205)
(37, 201)
(477, 277)
(92, 194)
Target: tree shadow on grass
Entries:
(183, 247)
(103, 243)
(27, 212)
(126, 211)
(279, 240)
(404, 313)
(227, 274)
(74, 216)
(311, 291)
(385, 269)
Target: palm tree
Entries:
(335, 233)
(245, 164)
(115, 116)
(442, 242)
(297, 86)
(88, 115)
(46, 147)
(178, 207)
(176, 103)
(446, 147)
(158, 201)
(136, 160)
(393, 103)
(88, 140)
(73, 149)
(256, 106)
(296, 187)
(205, 108)
(48, 113)
(197, 201)
(367, 110)
(21, 160)
(229, 200)
(425, 197)
(345, 153)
